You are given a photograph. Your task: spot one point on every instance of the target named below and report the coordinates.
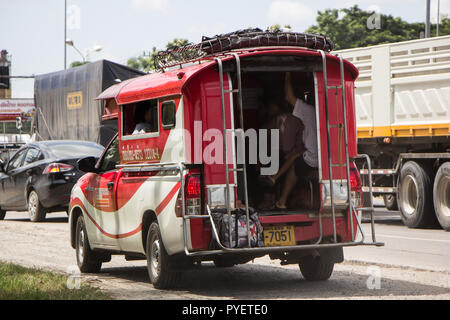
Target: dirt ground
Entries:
(46, 245)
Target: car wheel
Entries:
(159, 266)
(390, 201)
(2, 214)
(415, 196)
(88, 261)
(314, 269)
(441, 195)
(36, 211)
(221, 262)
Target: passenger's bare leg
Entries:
(289, 184)
(286, 166)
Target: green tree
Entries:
(277, 27)
(351, 30)
(146, 62)
(78, 63)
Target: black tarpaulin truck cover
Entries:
(65, 101)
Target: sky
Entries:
(33, 31)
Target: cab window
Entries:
(140, 118)
(111, 157)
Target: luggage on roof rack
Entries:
(241, 39)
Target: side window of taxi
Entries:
(111, 157)
(141, 118)
(168, 110)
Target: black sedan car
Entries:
(39, 176)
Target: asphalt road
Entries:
(414, 264)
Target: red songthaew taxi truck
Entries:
(180, 183)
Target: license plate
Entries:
(279, 236)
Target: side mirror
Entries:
(87, 164)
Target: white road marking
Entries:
(410, 238)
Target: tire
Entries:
(221, 262)
(160, 268)
(441, 195)
(314, 269)
(88, 261)
(415, 196)
(366, 199)
(2, 214)
(36, 211)
(390, 201)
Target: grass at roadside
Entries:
(20, 283)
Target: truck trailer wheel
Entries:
(441, 195)
(314, 269)
(415, 196)
(160, 269)
(390, 201)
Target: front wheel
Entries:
(314, 269)
(36, 211)
(88, 261)
(2, 214)
(160, 268)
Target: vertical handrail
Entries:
(244, 166)
(225, 146)
(347, 161)
(372, 219)
(330, 168)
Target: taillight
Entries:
(57, 167)
(356, 187)
(192, 196)
(355, 180)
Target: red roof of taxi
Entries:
(171, 82)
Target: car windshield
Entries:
(75, 150)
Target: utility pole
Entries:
(427, 22)
(438, 19)
(65, 34)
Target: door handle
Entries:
(110, 185)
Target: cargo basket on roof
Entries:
(250, 38)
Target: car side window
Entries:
(17, 160)
(111, 157)
(31, 156)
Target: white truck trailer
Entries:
(403, 123)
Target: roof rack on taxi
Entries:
(249, 38)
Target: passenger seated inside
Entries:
(145, 117)
(274, 119)
(298, 143)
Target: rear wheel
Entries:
(441, 195)
(36, 211)
(415, 196)
(222, 262)
(2, 214)
(160, 268)
(88, 261)
(390, 201)
(314, 269)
